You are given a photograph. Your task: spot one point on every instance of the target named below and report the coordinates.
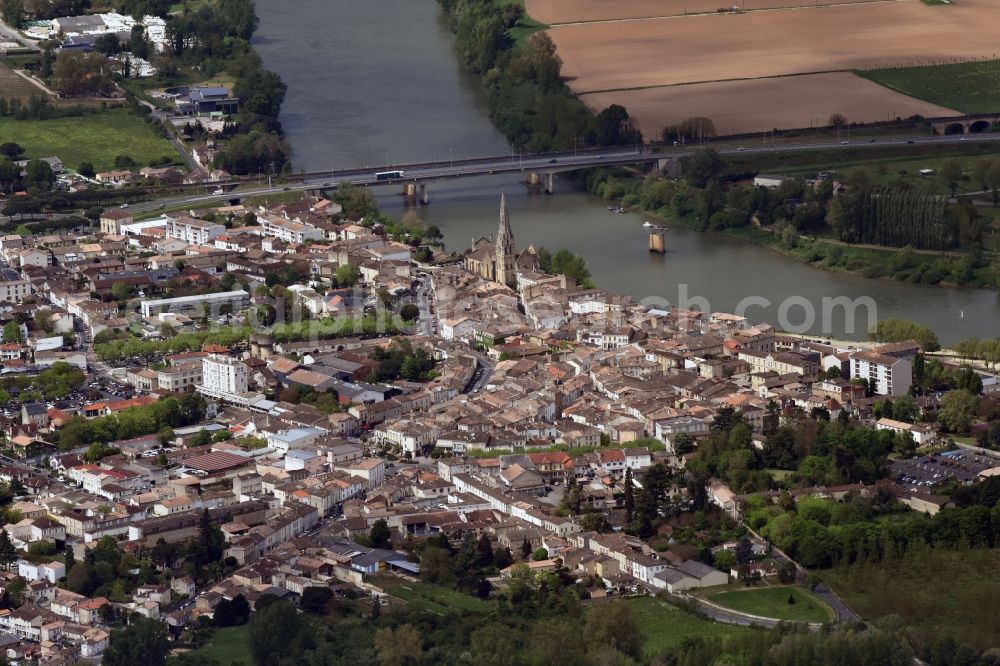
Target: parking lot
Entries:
(926, 471)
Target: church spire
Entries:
(504, 246)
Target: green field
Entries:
(773, 602)
(430, 597)
(937, 592)
(96, 138)
(229, 646)
(664, 626)
(971, 87)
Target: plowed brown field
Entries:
(759, 105)
(554, 12)
(633, 61)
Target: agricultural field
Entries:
(773, 602)
(764, 103)
(970, 87)
(633, 52)
(556, 12)
(96, 138)
(937, 592)
(13, 86)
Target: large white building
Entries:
(288, 230)
(205, 304)
(887, 375)
(196, 232)
(223, 374)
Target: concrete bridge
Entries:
(539, 170)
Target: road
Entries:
(844, 612)
(164, 120)
(429, 172)
(427, 322)
(9, 34)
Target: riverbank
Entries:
(737, 213)
(528, 99)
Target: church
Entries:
(499, 261)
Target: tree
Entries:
(951, 173)
(12, 151)
(595, 522)
(958, 408)
(724, 560)
(484, 551)
(274, 632)
(683, 443)
(900, 330)
(8, 554)
(231, 613)
(615, 128)
(108, 44)
(993, 180)
(398, 647)
(9, 174)
(837, 120)
(142, 642)
(38, 173)
(315, 599)
(703, 166)
(347, 275)
(614, 626)
(12, 332)
(629, 499)
(525, 548)
(86, 169)
(409, 312)
(12, 11)
(969, 380)
(79, 73)
(379, 535)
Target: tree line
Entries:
(529, 102)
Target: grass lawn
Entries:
(97, 138)
(773, 602)
(937, 592)
(971, 87)
(429, 597)
(229, 645)
(664, 626)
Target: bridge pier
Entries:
(550, 183)
(425, 195)
(410, 190)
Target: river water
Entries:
(377, 83)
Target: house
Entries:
(922, 433)
(35, 413)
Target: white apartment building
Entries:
(288, 230)
(224, 374)
(886, 374)
(12, 288)
(196, 232)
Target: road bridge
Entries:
(539, 170)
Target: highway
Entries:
(435, 171)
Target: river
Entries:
(377, 83)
